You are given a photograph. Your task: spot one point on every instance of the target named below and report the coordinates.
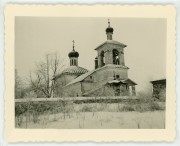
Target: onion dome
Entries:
(109, 29)
(73, 53)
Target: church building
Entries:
(109, 78)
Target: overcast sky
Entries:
(145, 53)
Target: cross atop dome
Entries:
(73, 45)
(73, 55)
(109, 31)
(108, 22)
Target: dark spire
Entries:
(73, 45)
(108, 22)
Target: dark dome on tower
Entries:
(73, 53)
(109, 29)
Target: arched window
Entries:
(102, 58)
(71, 61)
(115, 56)
(117, 76)
(74, 62)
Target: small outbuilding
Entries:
(159, 89)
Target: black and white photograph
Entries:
(74, 71)
(90, 73)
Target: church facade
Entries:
(109, 78)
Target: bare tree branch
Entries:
(45, 73)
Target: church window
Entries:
(74, 62)
(71, 62)
(91, 77)
(102, 58)
(115, 56)
(110, 37)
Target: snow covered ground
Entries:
(100, 120)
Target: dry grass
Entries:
(32, 112)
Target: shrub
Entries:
(141, 107)
(150, 106)
(68, 107)
(102, 107)
(153, 106)
(86, 108)
(20, 109)
(36, 109)
(126, 108)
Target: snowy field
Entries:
(101, 120)
(123, 115)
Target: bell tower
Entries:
(111, 51)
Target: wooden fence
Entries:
(76, 99)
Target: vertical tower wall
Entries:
(108, 54)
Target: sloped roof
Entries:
(130, 81)
(122, 81)
(158, 81)
(83, 76)
(73, 70)
(116, 81)
(111, 42)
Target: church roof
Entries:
(158, 81)
(111, 42)
(83, 76)
(80, 78)
(129, 81)
(116, 81)
(73, 70)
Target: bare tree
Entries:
(43, 79)
(19, 89)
